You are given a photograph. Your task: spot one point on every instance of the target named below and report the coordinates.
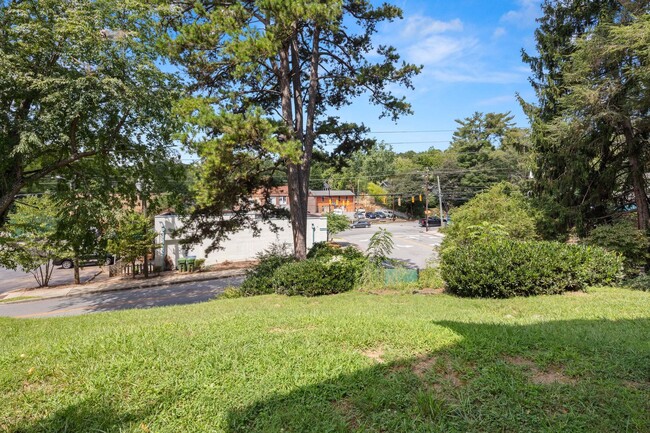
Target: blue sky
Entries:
(470, 50)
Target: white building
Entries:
(241, 245)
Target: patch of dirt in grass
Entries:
(521, 362)
(385, 292)
(346, 409)
(445, 376)
(635, 385)
(375, 354)
(438, 291)
(540, 377)
(423, 364)
(551, 377)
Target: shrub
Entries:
(259, 280)
(322, 276)
(502, 209)
(642, 282)
(624, 238)
(502, 268)
(430, 278)
(231, 293)
(199, 264)
(323, 249)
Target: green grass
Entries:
(350, 362)
(17, 299)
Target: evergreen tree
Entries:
(266, 75)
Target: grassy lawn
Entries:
(351, 362)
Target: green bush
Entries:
(430, 278)
(323, 249)
(313, 277)
(642, 282)
(502, 268)
(259, 280)
(625, 239)
(502, 206)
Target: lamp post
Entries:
(313, 234)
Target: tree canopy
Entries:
(267, 77)
(80, 81)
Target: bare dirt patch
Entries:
(423, 365)
(438, 291)
(375, 354)
(540, 377)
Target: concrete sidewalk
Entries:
(125, 283)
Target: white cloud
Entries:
(475, 74)
(498, 32)
(524, 15)
(439, 49)
(420, 26)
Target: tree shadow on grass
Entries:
(97, 413)
(579, 375)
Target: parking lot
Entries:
(413, 244)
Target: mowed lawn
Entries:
(350, 362)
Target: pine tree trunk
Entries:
(637, 174)
(298, 191)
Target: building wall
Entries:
(241, 245)
(326, 204)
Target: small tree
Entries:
(31, 242)
(380, 247)
(336, 224)
(133, 238)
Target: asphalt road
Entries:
(177, 294)
(11, 280)
(413, 245)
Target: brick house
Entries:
(278, 196)
(323, 201)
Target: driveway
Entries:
(11, 280)
(413, 245)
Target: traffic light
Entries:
(412, 199)
(399, 201)
(420, 197)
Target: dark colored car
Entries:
(432, 222)
(371, 215)
(360, 224)
(380, 215)
(99, 259)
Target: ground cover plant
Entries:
(344, 363)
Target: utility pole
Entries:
(442, 223)
(426, 201)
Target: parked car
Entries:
(380, 215)
(359, 215)
(97, 259)
(433, 221)
(389, 213)
(337, 211)
(371, 215)
(360, 224)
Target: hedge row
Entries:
(502, 268)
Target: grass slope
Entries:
(352, 362)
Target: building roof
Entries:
(330, 192)
(278, 190)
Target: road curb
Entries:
(142, 285)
